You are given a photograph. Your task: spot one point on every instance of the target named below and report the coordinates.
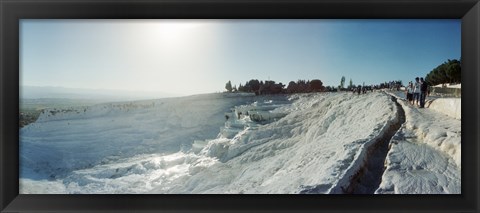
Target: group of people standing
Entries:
(417, 92)
(360, 90)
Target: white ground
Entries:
(316, 148)
(63, 140)
(449, 86)
(314, 145)
(425, 154)
(447, 106)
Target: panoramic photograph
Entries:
(212, 106)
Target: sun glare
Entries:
(173, 49)
(172, 32)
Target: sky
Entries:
(187, 57)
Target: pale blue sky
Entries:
(200, 56)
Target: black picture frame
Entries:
(11, 11)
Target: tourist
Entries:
(416, 91)
(409, 92)
(423, 92)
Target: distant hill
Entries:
(36, 92)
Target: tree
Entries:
(302, 86)
(342, 82)
(228, 86)
(316, 85)
(254, 86)
(453, 71)
(246, 87)
(292, 87)
(447, 72)
(240, 87)
(350, 86)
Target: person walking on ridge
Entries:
(409, 92)
(416, 91)
(423, 92)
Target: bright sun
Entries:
(173, 32)
(174, 49)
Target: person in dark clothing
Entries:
(423, 92)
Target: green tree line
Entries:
(271, 87)
(447, 72)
